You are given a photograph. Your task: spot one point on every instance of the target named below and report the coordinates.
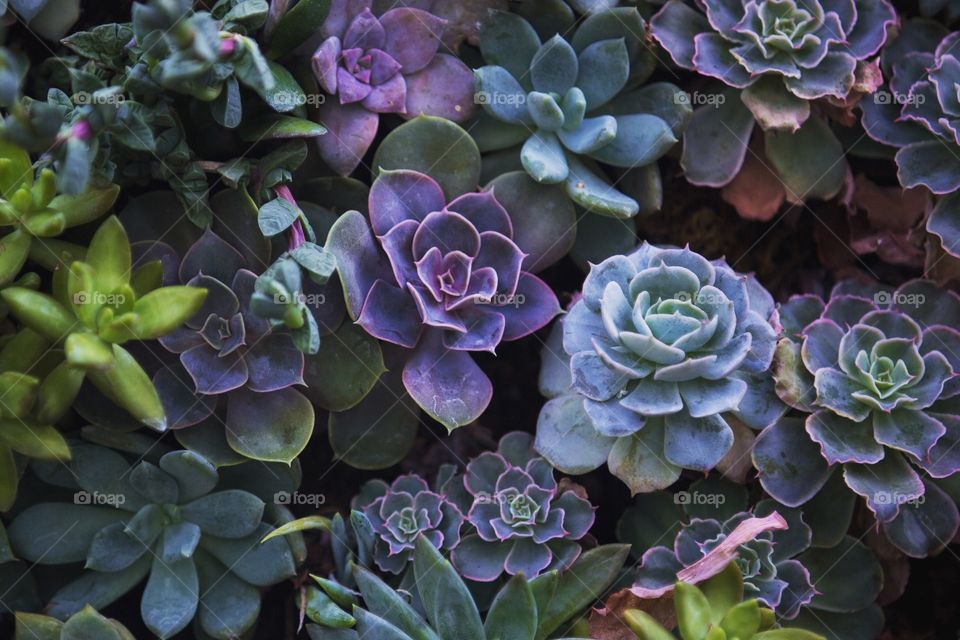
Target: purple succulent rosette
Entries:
(775, 57)
(400, 512)
(522, 522)
(227, 353)
(371, 65)
(877, 372)
(661, 354)
(919, 114)
(441, 280)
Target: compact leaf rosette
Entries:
(878, 379)
(175, 523)
(663, 351)
(783, 63)
(441, 280)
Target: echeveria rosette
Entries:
(878, 377)
(228, 352)
(920, 116)
(520, 520)
(661, 349)
(176, 522)
(564, 102)
(372, 65)
(441, 280)
(776, 57)
(402, 511)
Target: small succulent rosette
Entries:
(400, 512)
(568, 107)
(916, 113)
(379, 64)
(441, 280)
(876, 372)
(777, 58)
(191, 531)
(817, 579)
(519, 520)
(660, 366)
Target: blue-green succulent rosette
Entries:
(658, 367)
(876, 372)
(919, 115)
(574, 106)
(777, 59)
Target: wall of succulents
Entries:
(479, 320)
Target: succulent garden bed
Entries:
(481, 320)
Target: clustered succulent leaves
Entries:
(782, 62)
(247, 244)
(566, 102)
(660, 352)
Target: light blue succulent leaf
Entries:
(567, 438)
(154, 484)
(501, 95)
(194, 474)
(260, 564)
(639, 460)
(97, 589)
(696, 443)
(760, 405)
(810, 162)
(791, 467)
(923, 527)
(147, 523)
(180, 540)
(543, 158)
(623, 361)
(619, 269)
(170, 598)
(229, 607)
(507, 40)
(114, 549)
(650, 348)
(662, 99)
(709, 397)
(595, 194)
(914, 432)
(641, 139)
(591, 135)
(580, 326)
(881, 121)
(225, 514)
(554, 378)
(554, 67)
(99, 470)
(545, 111)
(835, 392)
(54, 533)
(715, 140)
(821, 344)
(574, 105)
(593, 378)
(762, 344)
(612, 419)
(651, 397)
(604, 69)
(847, 577)
(616, 311)
(887, 485)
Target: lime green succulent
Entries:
(716, 610)
(37, 212)
(99, 304)
(86, 623)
